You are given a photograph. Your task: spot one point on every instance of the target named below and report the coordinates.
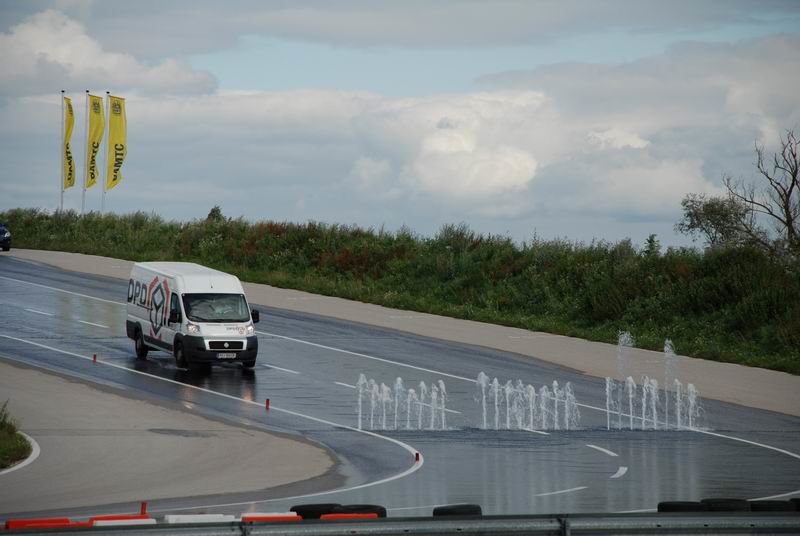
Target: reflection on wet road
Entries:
(308, 365)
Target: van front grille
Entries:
(225, 345)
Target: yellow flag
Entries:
(94, 137)
(117, 141)
(66, 155)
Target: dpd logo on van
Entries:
(154, 298)
(157, 293)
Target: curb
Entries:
(35, 451)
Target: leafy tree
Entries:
(652, 247)
(215, 215)
(715, 219)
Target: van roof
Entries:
(194, 278)
(173, 269)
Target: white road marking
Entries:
(781, 496)
(540, 432)
(365, 356)
(620, 472)
(290, 371)
(39, 312)
(93, 324)
(416, 466)
(35, 451)
(61, 290)
(448, 410)
(346, 385)
(762, 445)
(559, 492)
(601, 449)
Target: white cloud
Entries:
(749, 83)
(374, 176)
(645, 133)
(617, 139)
(462, 149)
(50, 51)
(472, 174)
(644, 187)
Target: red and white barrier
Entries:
(143, 518)
(199, 518)
(272, 517)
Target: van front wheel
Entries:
(249, 364)
(180, 357)
(141, 348)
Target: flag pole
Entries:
(108, 120)
(85, 153)
(61, 152)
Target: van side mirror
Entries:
(174, 317)
(256, 316)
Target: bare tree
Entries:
(777, 199)
(740, 216)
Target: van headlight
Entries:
(250, 329)
(192, 328)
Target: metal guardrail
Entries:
(566, 525)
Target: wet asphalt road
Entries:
(307, 365)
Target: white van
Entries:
(198, 314)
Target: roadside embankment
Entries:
(738, 384)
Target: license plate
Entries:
(230, 355)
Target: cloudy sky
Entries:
(574, 119)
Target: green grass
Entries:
(734, 304)
(13, 447)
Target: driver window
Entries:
(173, 304)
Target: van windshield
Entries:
(216, 307)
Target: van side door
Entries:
(175, 313)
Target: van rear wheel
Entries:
(180, 357)
(141, 348)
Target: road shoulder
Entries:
(101, 447)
